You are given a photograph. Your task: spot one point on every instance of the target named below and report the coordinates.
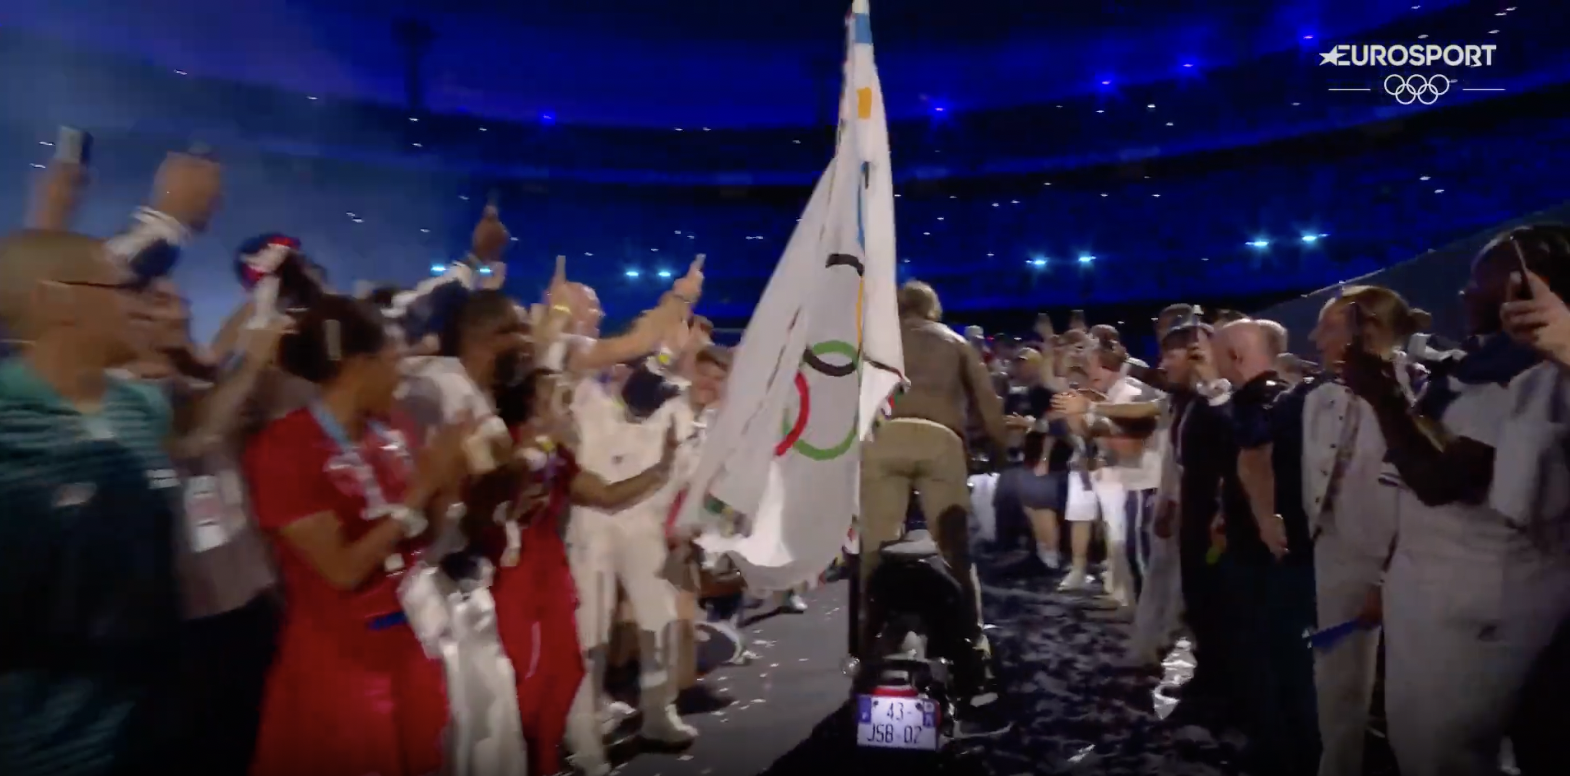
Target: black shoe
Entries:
(701, 699)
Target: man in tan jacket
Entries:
(921, 447)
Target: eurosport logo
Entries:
(1413, 88)
(1415, 55)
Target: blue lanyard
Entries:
(372, 490)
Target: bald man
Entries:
(1267, 566)
(88, 534)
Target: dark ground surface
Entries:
(1075, 713)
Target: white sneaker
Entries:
(1051, 559)
(612, 715)
(792, 602)
(1074, 581)
(664, 726)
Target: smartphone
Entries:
(73, 145)
(1523, 290)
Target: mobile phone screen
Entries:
(73, 145)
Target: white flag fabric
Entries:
(817, 364)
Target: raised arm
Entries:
(650, 330)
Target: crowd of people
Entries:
(1296, 519)
(413, 530)
(395, 532)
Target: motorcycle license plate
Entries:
(889, 722)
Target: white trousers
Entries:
(1344, 675)
(626, 548)
(1158, 616)
(1460, 638)
(1104, 499)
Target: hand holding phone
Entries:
(1522, 289)
(73, 146)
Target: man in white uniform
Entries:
(628, 547)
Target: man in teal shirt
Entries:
(88, 595)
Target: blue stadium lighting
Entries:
(1188, 65)
(664, 273)
(1259, 243)
(1310, 238)
(632, 273)
(547, 118)
(1038, 262)
(438, 269)
(1086, 259)
(1308, 37)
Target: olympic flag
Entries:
(817, 362)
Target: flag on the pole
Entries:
(817, 363)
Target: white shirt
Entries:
(1144, 474)
(616, 447)
(1531, 486)
(1362, 508)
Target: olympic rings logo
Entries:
(1416, 88)
(794, 429)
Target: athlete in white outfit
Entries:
(627, 547)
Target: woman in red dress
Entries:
(338, 490)
(536, 602)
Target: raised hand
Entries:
(557, 292)
(188, 188)
(490, 236)
(1044, 328)
(1541, 320)
(690, 286)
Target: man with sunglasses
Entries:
(88, 586)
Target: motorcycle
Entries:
(922, 666)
